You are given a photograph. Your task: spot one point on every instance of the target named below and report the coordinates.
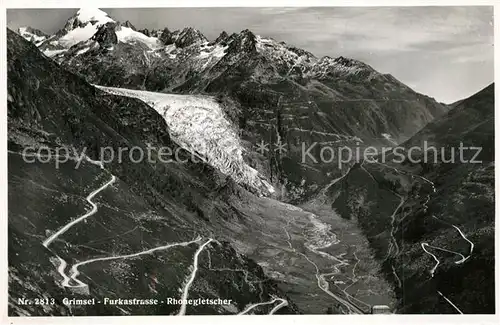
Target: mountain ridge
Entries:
(343, 100)
(53, 108)
(188, 36)
(264, 82)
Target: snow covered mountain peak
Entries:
(188, 49)
(92, 24)
(182, 38)
(33, 35)
(289, 57)
(351, 63)
(80, 27)
(85, 19)
(189, 36)
(245, 41)
(93, 15)
(222, 37)
(342, 66)
(129, 35)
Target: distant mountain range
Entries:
(339, 99)
(112, 53)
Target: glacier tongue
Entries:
(198, 124)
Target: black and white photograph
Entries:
(324, 160)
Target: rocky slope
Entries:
(147, 216)
(141, 206)
(435, 232)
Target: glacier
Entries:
(198, 124)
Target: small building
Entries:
(82, 290)
(381, 309)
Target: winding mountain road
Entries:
(89, 198)
(451, 303)
(425, 246)
(75, 273)
(283, 303)
(192, 276)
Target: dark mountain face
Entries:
(460, 212)
(149, 205)
(146, 206)
(106, 36)
(435, 232)
(470, 121)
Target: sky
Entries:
(443, 52)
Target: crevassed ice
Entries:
(198, 124)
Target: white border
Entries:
(275, 319)
(241, 3)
